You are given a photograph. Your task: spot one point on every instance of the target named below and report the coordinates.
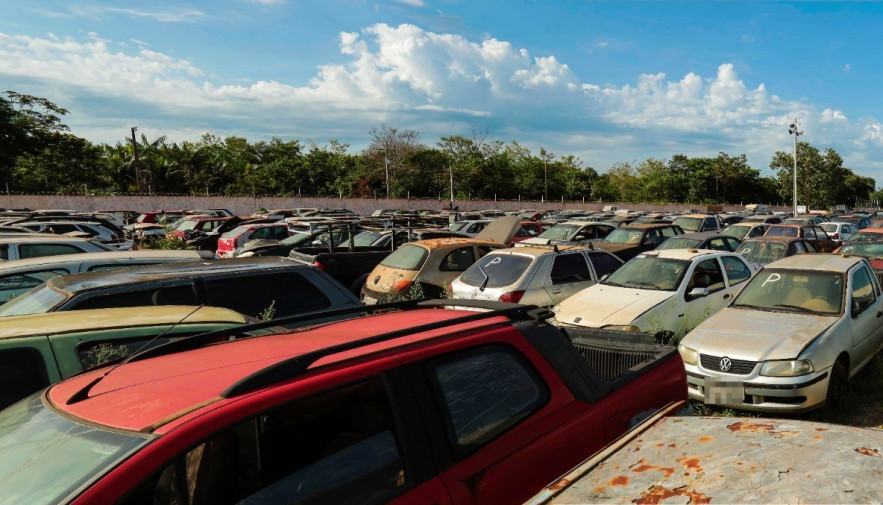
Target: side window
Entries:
(717, 244)
(604, 264)
(279, 232)
(483, 250)
(39, 250)
(458, 260)
(709, 224)
(336, 447)
(113, 266)
(484, 392)
(820, 233)
(603, 231)
(139, 297)
(15, 284)
(276, 294)
(732, 243)
(261, 233)
(4, 252)
(22, 372)
(862, 290)
(757, 231)
(707, 275)
(668, 231)
(570, 268)
(809, 233)
(736, 270)
(97, 352)
(798, 248)
(810, 247)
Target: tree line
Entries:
(39, 154)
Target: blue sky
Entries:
(608, 81)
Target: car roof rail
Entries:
(298, 365)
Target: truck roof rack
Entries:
(299, 365)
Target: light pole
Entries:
(792, 129)
(386, 151)
(451, 168)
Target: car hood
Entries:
(602, 305)
(757, 335)
(501, 230)
(614, 248)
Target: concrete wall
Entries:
(247, 205)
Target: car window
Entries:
(137, 296)
(278, 232)
(706, 275)
(862, 290)
(569, 268)
(337, 447)
(484, 392)
(97, 352)
(820, 233)
(527, 231)
(483, 250)
(810, 247)
(15, 284)
(668, 231)
(273, 294)
(40, 250)
(406, 257)
(22, 372)
(809, 233)
(458, 260)
(732, 243)
(604, 264)
(736, 270)
(798, 248)
(4, 252)
(114, 266)
(709, 224)
(717, 244)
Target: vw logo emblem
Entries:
(725, 364)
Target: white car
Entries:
(839, 232)
(792, 337)
(663, 293)
(537, 275)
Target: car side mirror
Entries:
(698, 293)
(579, 237)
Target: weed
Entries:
(102, 353)
(164, 243)
(268, 313)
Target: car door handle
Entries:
(726, 296)
(680, 315)
(556, 291)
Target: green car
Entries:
(42, 349)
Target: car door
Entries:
(865, 312)
(823, 241)
(706, 274)
(570, 274)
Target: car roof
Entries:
(701, 216)
(645, 226)
(40, 237)
(821, 262)
(76, 321)
(749, 224)
(167, 271)
(540, 250)
(774, 238)
(443, 242)
(101, 256)
(190, 382)
(701, 235)
(686, 254)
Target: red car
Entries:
(239, 236)
(428, 405)
(529, 229)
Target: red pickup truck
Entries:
(425, 405)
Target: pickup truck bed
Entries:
(728, 460)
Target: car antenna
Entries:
(83, 393)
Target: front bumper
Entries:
(764, 394)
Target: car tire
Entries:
(836, 387)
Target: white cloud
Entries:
(181, 15)
(439, 84)
(269, 2)
(413, 3)
(847, 67)
(602, 44)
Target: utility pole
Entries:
(386, 151)
(794, 131)
(137, 163)
(545, 180)
(451, 168)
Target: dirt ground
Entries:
(863, 406)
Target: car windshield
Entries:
(39, 300)
(689, 223)
(624, 236)
(560, 232)
(870, 250)
(864, 236)
(649, 272)
(366, 238)
(793, 291)
(407, 257)
(783, 231)
(738, 232)
(679, 243)
(50, 459)
(501, 270)
(457, 226)
(761, 252)
(187, 224)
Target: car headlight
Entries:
(786, 368)
(623, 328)
(690, 356)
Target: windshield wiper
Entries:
(644, 283)
(749, 306)
(608, 283)
(795, 307)
(486, 279)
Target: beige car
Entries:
(431, 265)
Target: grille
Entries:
(740, 366)
(609, 364)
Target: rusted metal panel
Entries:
(731, 460)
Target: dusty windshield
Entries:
(870, 250)
(496, 270)
(48, 459)
(689, 223)
(39, 300)
(649, 272)
(624, 236)
(864, 236)
(738, 232)
(561, 232)
(761, 252)
(679, 243)
(793, 291)
(366, 238)
(783, 231)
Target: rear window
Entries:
(187, 224)
(36, 301)
(689, 223)
(501, 269)
(407, 257)
(830, 227)
(235, 232)
(782, 231)
(679, 243)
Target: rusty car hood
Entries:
(757, 335)
(602, 305)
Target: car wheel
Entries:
(836, 387)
